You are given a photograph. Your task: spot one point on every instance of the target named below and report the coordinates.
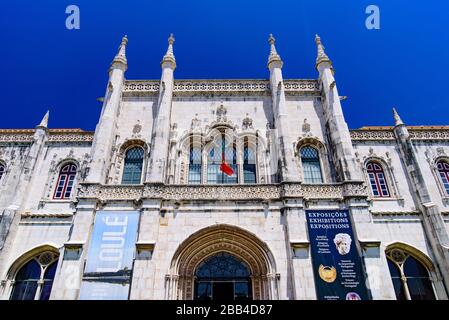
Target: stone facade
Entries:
(263, 223)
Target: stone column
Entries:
(433, 222)
(287, 167)
(68, 278)
(102, 146)
(336, 126)
(17, 201)
(157, 166)
(375, 267)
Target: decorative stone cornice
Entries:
(55, 135)
(81, 136)
(223, 192)
(386, 133)
(151, 87)
(16, 136)
(46, 215)
(372, 135)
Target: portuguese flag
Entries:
(224, 167)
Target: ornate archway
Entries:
(222, 238)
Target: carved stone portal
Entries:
(222, 238)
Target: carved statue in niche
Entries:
(247, 123)
(137, 129)
(306, 129)
(196, 123)
(221, 113)
(440, 151)
(174, 131)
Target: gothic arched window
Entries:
(2, 170)
(132, 170)
(377, 180)
(443, 170)
(249, 165)
(65, 182)
(195, 157)
(311, 166)
(223, 152)
(223, 276)
(410, 277)
(34, 279)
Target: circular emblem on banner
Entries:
(327, 274)
(353, 296)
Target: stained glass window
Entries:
(377, 180)
(222, 266)
(223, 277)
(443, 169)
(311, 165)
(2, 171)
(65, 182)
(195, 165)
(249, 165)
(132, 171)
(223, 149)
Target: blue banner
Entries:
(107, 275)
(336, 262)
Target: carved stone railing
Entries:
(142, 87)
(55, 135)
(16, 135)
(138, 86)
(222, 192)
(372, 135)
(441, 134)
(422, 134)
(301, 85)
(84, 136)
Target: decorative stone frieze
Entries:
(140, 87)
(383, 134)
(222, 192)
(55, 135)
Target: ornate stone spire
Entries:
(274, 56)
(322, 56)
(397, 119)
(120, 58)
(169, 57)
(44, 121)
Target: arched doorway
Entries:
(254, 266)
(223, 276)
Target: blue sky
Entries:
(45, 66)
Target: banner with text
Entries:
(107, 275)
(336, 262)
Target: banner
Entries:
(336, 262)
(107, 275)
